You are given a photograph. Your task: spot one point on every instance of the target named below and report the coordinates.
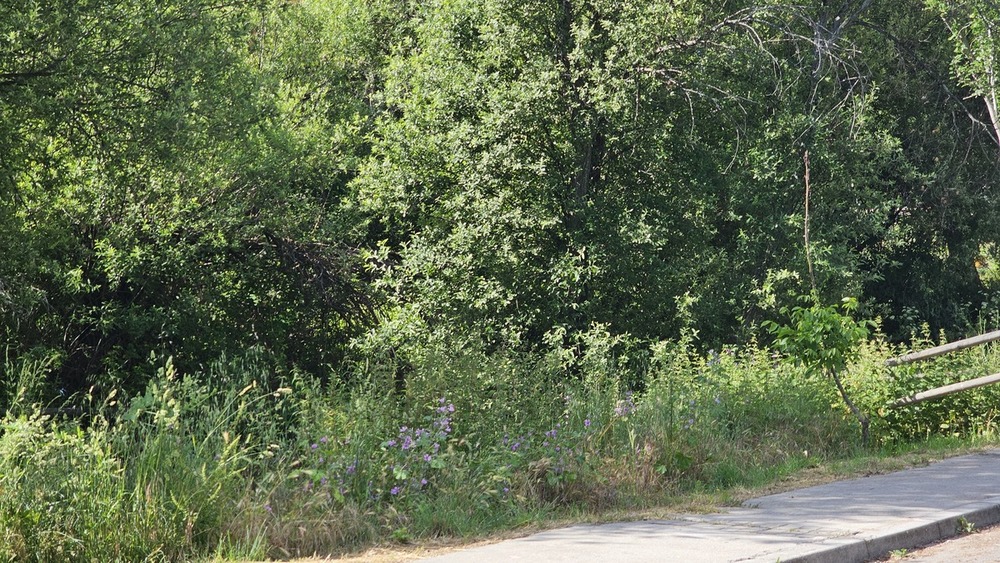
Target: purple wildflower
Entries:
(625, 406)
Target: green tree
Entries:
(937, 188)
(824, 340)
(174, 188)
(974, 26)
(549, 164)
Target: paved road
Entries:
(982, 546)
(847, 521)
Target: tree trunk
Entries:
(862, 419)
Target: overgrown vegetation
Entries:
(238, 460)
(291, 276)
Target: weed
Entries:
(963, 526)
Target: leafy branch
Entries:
(824, 339)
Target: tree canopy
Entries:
(313, 177)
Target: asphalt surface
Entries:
(980, 546)
(858, 520)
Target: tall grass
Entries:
(166, 477)
(241, 461)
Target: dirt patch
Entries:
(412, 552)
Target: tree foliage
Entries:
(191, 178)
(974, 27)
(167, 194)
(824, 340)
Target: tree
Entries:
(824, 340)
(173, 191)
(539, 166)
(974, 27)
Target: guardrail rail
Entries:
(938, 351)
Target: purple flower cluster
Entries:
(691, 414)
(625, 406)
(327, 471)
(404, 464)
(515, 444)
(563, 446)
(415, 453)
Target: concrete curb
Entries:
(880, 546)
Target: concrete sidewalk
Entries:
(847, 521)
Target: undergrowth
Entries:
(240, 461)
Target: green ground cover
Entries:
(236, 461)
